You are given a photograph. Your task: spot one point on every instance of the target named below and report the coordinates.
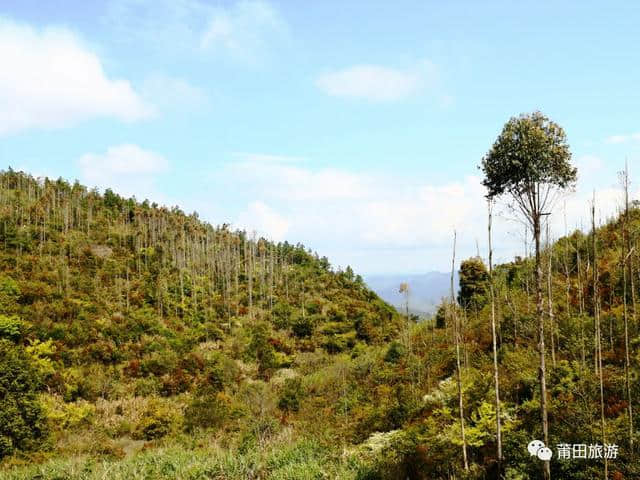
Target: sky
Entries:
(353, 127)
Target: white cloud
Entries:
(49, 79)
(378, 83)
(251, 158)
(423, 214)
(168, 26)
(287, 180)
(172, 93)
(632, 137)
(361, 219)
(588, 164)
(243, 28)
(265, 221)
(393, 222)
(127, 169)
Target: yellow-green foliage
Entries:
(158, 420)
(161, 347)
(64, 416)
(41, 353)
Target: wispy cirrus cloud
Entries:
(169, 93)
(631, 137)
(244, 30)
(379, 83)
(50, 79)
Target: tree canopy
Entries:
(473, 283)
(529, 160)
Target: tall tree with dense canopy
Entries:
(530, 163)
(473, 284)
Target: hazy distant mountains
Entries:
(426, 289)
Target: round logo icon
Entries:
(538, 449)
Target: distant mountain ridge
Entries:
(425, 289)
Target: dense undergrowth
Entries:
(139, 342)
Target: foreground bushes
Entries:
(22, 422)
(290, 461)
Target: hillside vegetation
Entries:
(139, 342)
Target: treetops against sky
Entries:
(356, 129)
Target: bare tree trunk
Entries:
(583, 347)
(496, 379)
(626, 252)
(540, 315)
(250, 280)
(550, 299)
(566, 266)
(526, 273)
(457, 344)
(597, 322)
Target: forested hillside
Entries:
(140, 342)
(127, 314)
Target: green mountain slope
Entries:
(116, 299)
(139, 342)
(118, 270)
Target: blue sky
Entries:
(354, 127)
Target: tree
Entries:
(598, 331)
(529, 163)
(262, 350)
(456, 335)
(404, 290)
(473, 284)
(496, 378)
(626, 272)
(441, 315)
(22, 421)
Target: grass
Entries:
(303, 460)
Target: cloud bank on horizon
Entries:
(362, 146)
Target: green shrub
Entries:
(175, 382)
(263, 351)
(207, 412)
(394, 353)
(291, 395)
(156, 422)
(22, 421)
(144, 387)
(159, 363)
(9, 293)
(11, 327)
(302, 327)
(219, 372)
(281, 315)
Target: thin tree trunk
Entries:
(597, 322)
(550, 300)
(250, 286)
(540, 315)
(566, 266)
(457, 344)
(583, 347)
(626, 252)
(496, 379)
